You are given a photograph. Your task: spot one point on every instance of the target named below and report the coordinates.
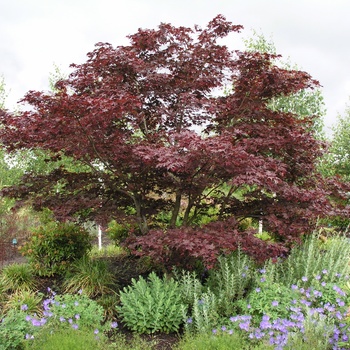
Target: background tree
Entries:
(305, 102)
(130, 119)
(338, 162)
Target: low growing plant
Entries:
(67, 339)
(25, 300)
(214, 341)
(13, 330)
(90, 275)
(54, 246)
(17, 276)
(74, 309)
(152, 305)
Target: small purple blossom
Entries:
(24, 307)
(274, 303)
(114, 324)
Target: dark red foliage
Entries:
(152, 132)
(180, 246)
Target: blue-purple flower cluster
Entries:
(309, 307)
(50, 318)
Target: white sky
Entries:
(36, 34)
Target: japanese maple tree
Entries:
(152, 128)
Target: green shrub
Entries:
(17, 276)
(109, 251)
(54, 246)
(118, 232)
(90, 275)
(13, 328)
(152, 305)
(270, 299)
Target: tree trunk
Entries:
(176, 210)
(141, 218)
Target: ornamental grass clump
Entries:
(17, 277)
(152, 305)
(90, 275)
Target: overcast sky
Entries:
(36, 34)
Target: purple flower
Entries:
(244, 325)
(96, 331)
(24, 307)
(223, 328)
(304, 278)
(189, 320)
(214, 331)
(318, 277)
(75, 326)
(262, 271)
(262, 279)
(294, 287)
(114, 325)
(274, 303)
(324, 271)
(77, 316)
(257, 290)
(36, 323)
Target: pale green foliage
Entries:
(56, 76)
(310, 259)
(338, 159)
(3, 93)
(205, 314)
(230, 279)
(304, 103)
(189, 285)
(152, 305)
